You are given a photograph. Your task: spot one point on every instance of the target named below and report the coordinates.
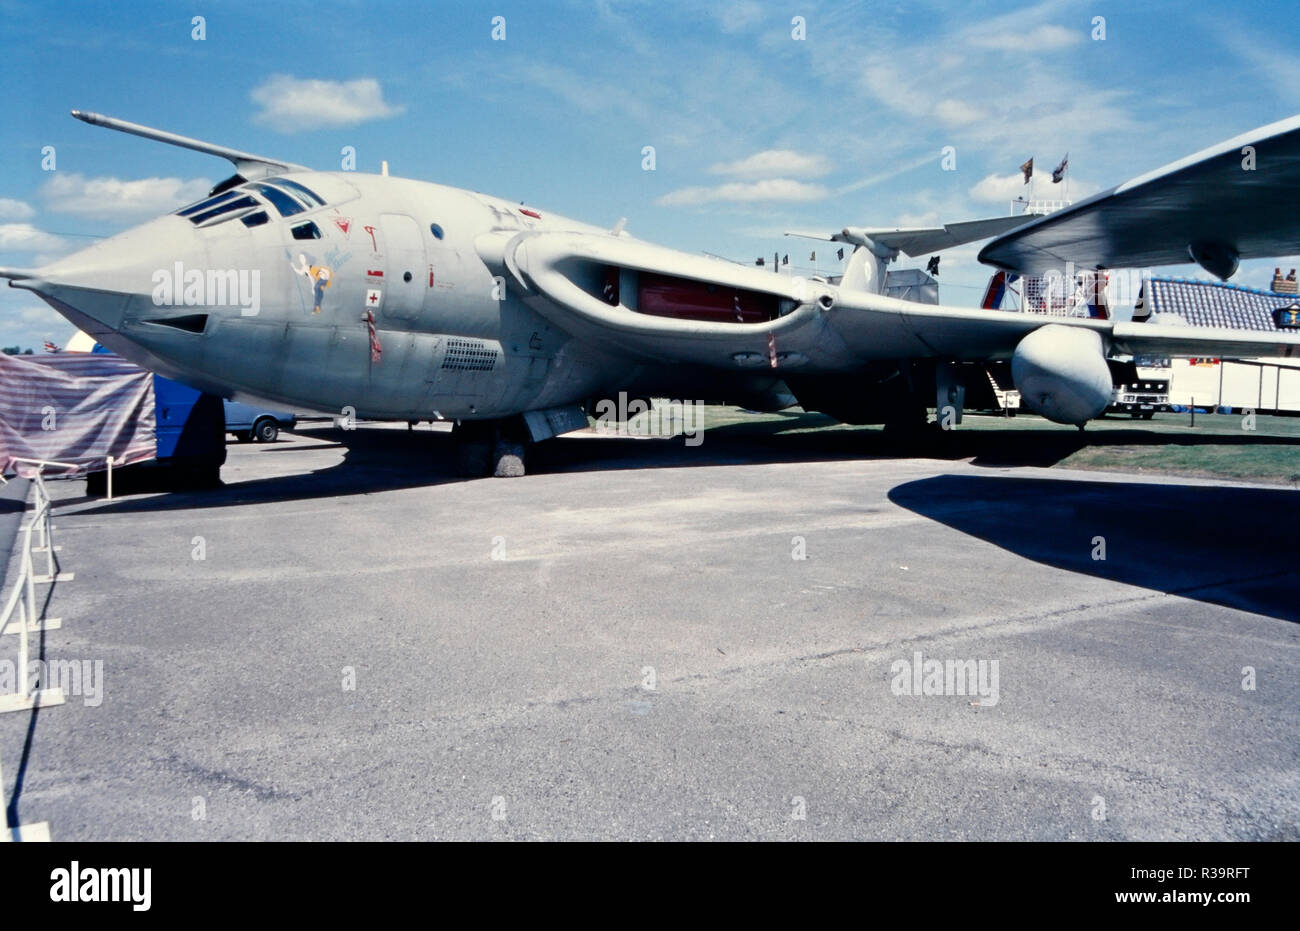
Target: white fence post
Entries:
(22, 604)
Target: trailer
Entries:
(1265, 386)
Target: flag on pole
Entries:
(1058, 172)
(1027, 169)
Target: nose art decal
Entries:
(320, 276)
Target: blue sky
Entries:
(754, 131)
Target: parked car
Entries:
(250, 422)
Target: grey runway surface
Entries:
(501, 637)
(13, 498)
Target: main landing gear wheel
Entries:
(910, 429)
(508, 460)
(495, 448)
(474, 442)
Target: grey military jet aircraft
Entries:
(397, 299)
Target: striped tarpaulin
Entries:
(74, 407)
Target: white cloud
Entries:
(889, 174)
(999, 189)
(957, 113)
(582, 91)
(290, 104)
(739, 192)
(1040, 39)
(15, 209)
(112, 197)
(898, 85)
(23, 237)
(927, 220)
(781, 163)
(1278, 66)
(738, 15)
(1002, 189)
(928, 84)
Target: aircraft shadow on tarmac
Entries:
(386, 459)
(777, 441)
(1230, 546)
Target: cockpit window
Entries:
(278, 198)
(288, 197)
(312, 198)
(206, 203)
(240, 203)
(308, 230)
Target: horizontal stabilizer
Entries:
(916, 241)
(824, 237)
(923, 241)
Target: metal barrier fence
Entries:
(21, 607)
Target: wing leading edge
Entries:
(1235, 200)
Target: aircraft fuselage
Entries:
(247, 301)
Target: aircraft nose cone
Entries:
(95, 287)
(127, 262)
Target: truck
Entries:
(1145, 390)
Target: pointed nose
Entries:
(95, 287)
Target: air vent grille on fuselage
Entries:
(469, 355)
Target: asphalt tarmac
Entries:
(349, 642)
